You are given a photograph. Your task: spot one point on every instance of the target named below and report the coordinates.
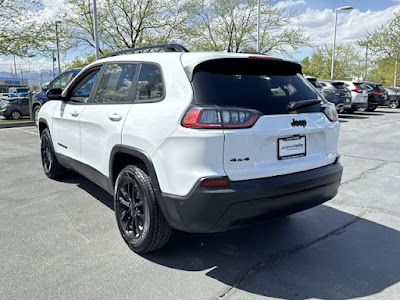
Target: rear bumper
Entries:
(250, 201)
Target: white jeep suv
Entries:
(200, 142)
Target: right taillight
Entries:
(220, 117)
(330, 111)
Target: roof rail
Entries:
(147, 49)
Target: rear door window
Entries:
(115, 84)
(267, 86)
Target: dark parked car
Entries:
(377, 95)
(61, 81)
(315, 83)
(394, 96)
(15, 108)
(337, 93)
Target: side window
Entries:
(24, 102)
(150, 83)
(61, 81)
(81, 92)
(115, 83)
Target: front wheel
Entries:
(51, 167)
(35, 114)
(16, 115)
(140, 220)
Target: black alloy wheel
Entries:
(51, 167)
(47, 159)
(131, 209)
(139, 218)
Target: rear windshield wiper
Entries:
(292, 106)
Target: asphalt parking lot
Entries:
(59, 240)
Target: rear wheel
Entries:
(16, 115)
(371, 108)
(393, 103)
(139, 218)
(51, 166)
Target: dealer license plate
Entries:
(291, 147)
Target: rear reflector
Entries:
(215, 182)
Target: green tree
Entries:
(124, 24)
(384, 42)
(348, 63)
(231, 25)
(382, 71)
(18, 35)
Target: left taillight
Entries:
(220, 117)
(378, 93)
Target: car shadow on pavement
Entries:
(90, 187)
(371, 113)
(319, 253)
(291, 258)
(394, 111)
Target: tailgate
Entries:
(280, 144)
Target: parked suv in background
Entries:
(359, 94)
(200, 142)
(393, 97)
(337, 93)
(61, 81)
(377, 95)
(14, 108)
(315, 83)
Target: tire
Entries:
(145, 229)
(371, 108)
(362, 108)
(51, 167)
(350, 110)
(35, 114)
(15, 115)
(393, 103)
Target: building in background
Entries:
(7, 82)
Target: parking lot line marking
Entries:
(35, 133)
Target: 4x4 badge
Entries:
(299, 123)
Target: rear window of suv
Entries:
(265, 85)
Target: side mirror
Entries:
(45, 87)
(55, 94)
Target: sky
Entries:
(315, 16)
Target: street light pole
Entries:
(96, 34)
(258, 24)
(334, 38)
(58, 48)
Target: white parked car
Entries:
(359, 95)
(200, 142)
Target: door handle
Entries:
(115, 117)
(75, 113)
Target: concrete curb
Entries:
(19, 124)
